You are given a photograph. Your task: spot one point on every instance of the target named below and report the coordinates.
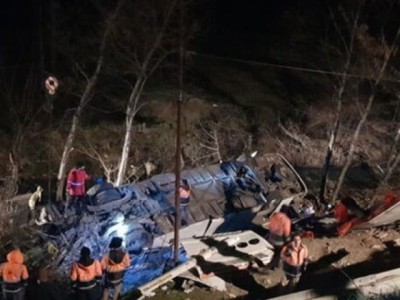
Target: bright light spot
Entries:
(119, 218)
(121, 229)
(253, 154)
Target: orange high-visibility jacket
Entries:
(14, 271)
(82, 273)
(294, 256)
(280, 224)
(110, 265)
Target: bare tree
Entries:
(85, 98)
(143, 40)
(338, 96)
(23, 108)
(218, 137)
(206, 147)
(394, 155)
(378, 55)
(95, 143)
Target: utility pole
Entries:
(178, 140)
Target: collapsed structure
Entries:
(228, 200)
(226, 197)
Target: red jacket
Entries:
(76, 182)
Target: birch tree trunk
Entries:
(84, 100)
(146, 67)
(74, 125)
(131, 110)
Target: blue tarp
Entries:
(149, 265)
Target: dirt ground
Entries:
(333, 259)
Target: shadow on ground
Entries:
(325, 279)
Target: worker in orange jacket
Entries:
(114, 264)
(85, 275)
(14, 275)
(294, 256)
(280, 227)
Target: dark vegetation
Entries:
(287, 105)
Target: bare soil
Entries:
(334, 261)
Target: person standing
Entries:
(85, 275)
(184, 196)
(295, 259)
(76, 191)
(114, 263)
(14, 276)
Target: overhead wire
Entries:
(282, 66)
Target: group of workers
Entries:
(290, 250)
(88, 275)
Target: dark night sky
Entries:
(235, 20)
(17, 28)
(243, 28)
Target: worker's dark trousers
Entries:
(14, 296)
(77, 202)
(91, 294)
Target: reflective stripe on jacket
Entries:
(276, 240)
(294, 256)
(114, 264)
(111, 264)
(85, 276)
(280, 224)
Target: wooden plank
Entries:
(222, 205)
(208, 210)
(216, 208)
(164, 223)
(197, 213)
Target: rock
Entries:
(368, 241)
(377, 247)
(164, 288)
(396, 242)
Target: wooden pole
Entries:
(178, 141)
